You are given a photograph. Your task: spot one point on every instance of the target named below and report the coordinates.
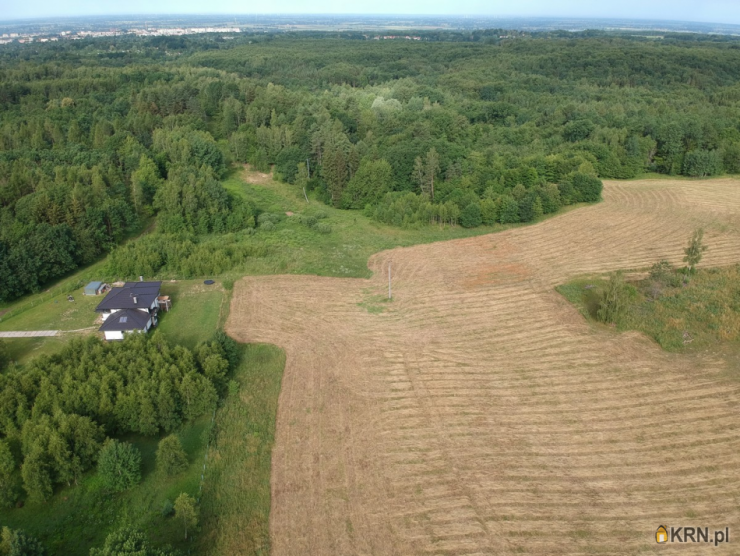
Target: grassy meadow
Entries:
(235, 506)
(294, 248)
(702, 313)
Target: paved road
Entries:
(29, 334)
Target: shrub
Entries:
(119, 465)
(662, 272)
(233, 387)
(323, 228)
(18, 543)
(129, 542)
(309, 221)
(171, 458)
(229, 347)
(273, 217)
(267, 226)
(182, 255)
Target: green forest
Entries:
(99, 137)
(119, 152)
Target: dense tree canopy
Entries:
(56, 413)
(96, 136)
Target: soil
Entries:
(479, 413)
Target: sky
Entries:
(714, 11)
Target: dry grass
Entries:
(478, 413)
(254, 177)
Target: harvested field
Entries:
(478, 413)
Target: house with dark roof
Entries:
(132, 307)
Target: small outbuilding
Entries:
(94, 288)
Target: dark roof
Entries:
(126, 319)
(123, 298)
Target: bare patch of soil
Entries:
(253, 176)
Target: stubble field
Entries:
(479, 413)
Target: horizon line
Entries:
(351, 14)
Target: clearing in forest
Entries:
(479, 413)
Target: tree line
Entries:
(480, 129)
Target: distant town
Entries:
(371, 26)
(30, 37)
(23, 38)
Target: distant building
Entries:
(132, 307)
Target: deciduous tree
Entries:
(613, 299)
(119, 465)
(171, 458)
(695, 250)
(186, 511)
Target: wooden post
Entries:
(390, 294)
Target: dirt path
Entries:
(30, 334)
(479, 414)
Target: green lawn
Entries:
(195, 311)
(47, 312)
(56, 313)
(21, 350)
(195, 314)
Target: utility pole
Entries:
(390, 294)
(308, 168)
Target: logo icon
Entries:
(661, 535)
